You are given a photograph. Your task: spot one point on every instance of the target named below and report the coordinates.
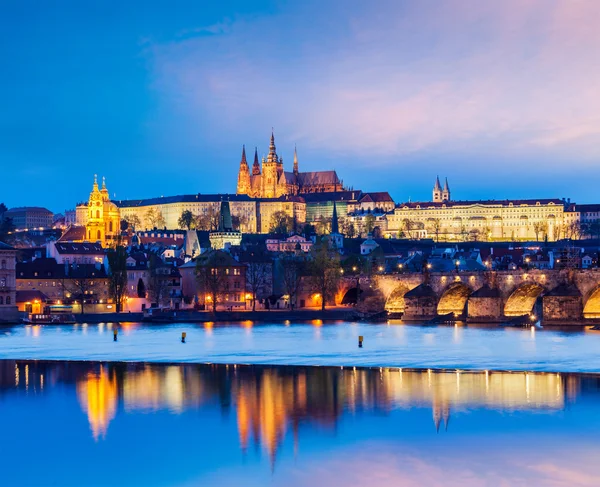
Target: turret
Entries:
(243, 185)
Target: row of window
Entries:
(3, 301)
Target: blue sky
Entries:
(501, 97)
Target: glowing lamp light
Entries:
(316, 296)
(354, 268)
(248, 296)
(208, 297)
(380, 269)
(428, 266)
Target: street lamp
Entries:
(457, 264)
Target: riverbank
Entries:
(190, 316)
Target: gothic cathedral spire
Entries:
(295, 161)
(256, 165)
(243, 186)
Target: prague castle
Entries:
(490, 220)
(270, 180)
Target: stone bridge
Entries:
(555, 296)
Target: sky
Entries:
(158, 97)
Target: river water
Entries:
(112, 424)
(314, 343)
(108, 413)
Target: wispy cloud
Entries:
(457, 76)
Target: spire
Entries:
(438, 186)
(272, 144)
(295, 161)
(104, 190)
(446, 187)
(95, 188)
(335, 227)
(243, 161)
(256, 165)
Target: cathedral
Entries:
(269, 180)
(103, 222)
(439, 194)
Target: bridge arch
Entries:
(351, 295)
(591, 308)
(522, 300)
(395, 301)
(454, 299)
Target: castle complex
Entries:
(269, 180)
(489, 220)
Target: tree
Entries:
(211, 275)
(6, 227)
(369, 223)
(323, 226)
(350, 230)
(124, 225)
(408, 227)
(81, 284)
(157, 285)
(594, 229)
(117, 279)
(239, 222)
(539, 227)
(154, 218)
(209, 220)
(324, 271)
(281, 222)
(141, 288)
(133, 221)
(435, 225)
(574, 230)
(186, 220)
(293, 270)
(308, 230)
(257, 278)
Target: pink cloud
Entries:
(514, 76)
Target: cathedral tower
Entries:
(243, 185)
(437, 191)
(256, 165)
(270, 171)
(446, 191)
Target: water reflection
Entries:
(271, 403)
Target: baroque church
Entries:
(103, 221)
(270, 180)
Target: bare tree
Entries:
(324, 271)
(81, 284)
(212, 277)
(293, 270)
(435, 225)
(154, 218)
(208, 221)
(257, 278)
(539, 228)
(157, 284)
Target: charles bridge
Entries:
(554, 296)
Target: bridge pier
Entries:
(485, 305)
(420, 304)
(562, 305)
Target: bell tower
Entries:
(270, 171)
(437, 191)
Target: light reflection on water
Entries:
(313, 343)
(277, 424)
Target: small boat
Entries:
(49, 319)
